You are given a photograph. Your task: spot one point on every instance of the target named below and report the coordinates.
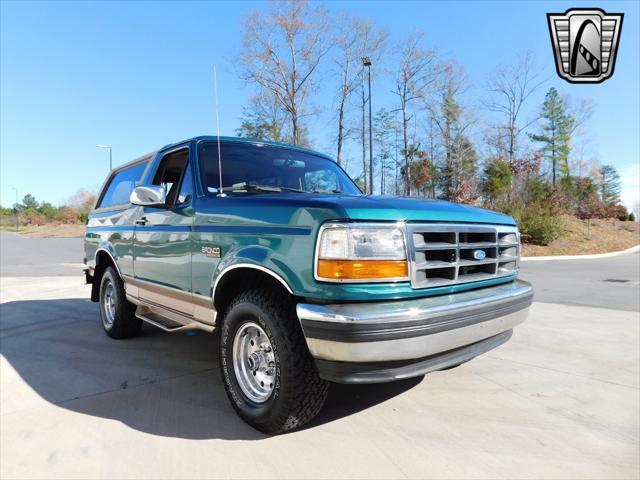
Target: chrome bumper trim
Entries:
(380, 372)
(410, 329)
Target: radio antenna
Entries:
(215, 83)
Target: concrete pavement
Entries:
(560, 400)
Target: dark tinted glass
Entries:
(186, 188)
(245, 164)
(170, 172)
(121, 186)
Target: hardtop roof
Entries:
(214, 138)
(253, 141)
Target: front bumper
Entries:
(383, 341)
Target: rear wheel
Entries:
(117, 313)
(268, 372)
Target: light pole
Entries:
(366, 62)
(110, 155)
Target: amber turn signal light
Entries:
(361, 269)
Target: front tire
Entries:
(266, 367)
(117, 313)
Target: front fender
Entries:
(258, 258)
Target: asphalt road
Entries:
(603, 283)
(30, 257)
(560, 400)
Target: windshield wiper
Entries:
(251, 187)
(327, 191)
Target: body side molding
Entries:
(248, 265)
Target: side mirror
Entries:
(148, 196)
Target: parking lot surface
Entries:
(560, 400)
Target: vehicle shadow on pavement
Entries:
(159, 383)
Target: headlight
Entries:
(351, 252)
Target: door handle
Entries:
(142, 221)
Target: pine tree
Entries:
(610, 185)
(556, 133)
(497, 178)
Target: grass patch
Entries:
(583, 237)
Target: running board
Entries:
(168, 320)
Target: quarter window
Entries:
(121, 186)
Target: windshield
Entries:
(252, 168)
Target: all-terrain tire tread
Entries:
(309, 390)
(127, 325)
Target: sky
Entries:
(139, 75)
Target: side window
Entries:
(170, 173)
(121, 185)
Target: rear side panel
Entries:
(111, 228)
(112, 231)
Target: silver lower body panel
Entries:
(413, 329)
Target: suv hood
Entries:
(412, 209)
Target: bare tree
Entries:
(83, 200)
(355, 38)
(264, 118)
(282, 49)
(453, 122)
(415, 72)
(581, 112)
(510, 87)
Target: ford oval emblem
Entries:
(479, 254)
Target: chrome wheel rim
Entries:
(109, 305)
(254, 362)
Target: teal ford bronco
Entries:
(307, 280)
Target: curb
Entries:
(582, 257)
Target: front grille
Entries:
(449, 254)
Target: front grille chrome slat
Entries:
(443, 254)
(435, 246)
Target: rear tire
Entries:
(272, 382)
(117, 313)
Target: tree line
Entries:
(430, 141)
(31, 212)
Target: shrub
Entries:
(539, 225)
(537, 222)
(31, 217)
(617, 211)
(67, 215)
(513, 208)
(537, 190)
(560, 200)
(48, 210)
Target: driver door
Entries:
(162, 243)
